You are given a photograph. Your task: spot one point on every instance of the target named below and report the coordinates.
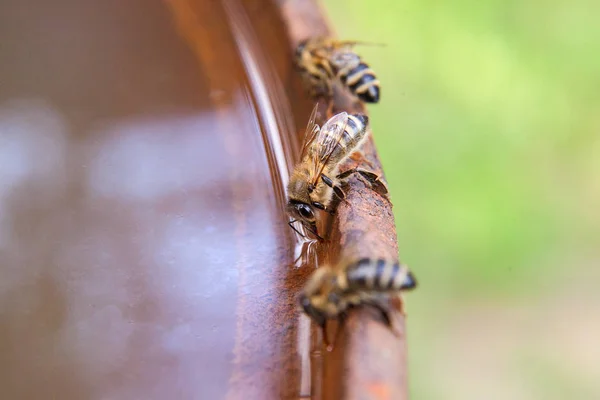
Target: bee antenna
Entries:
(366, 43)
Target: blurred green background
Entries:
(488, 129)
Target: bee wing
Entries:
(352, 43)
(311, 132)
(328, 139)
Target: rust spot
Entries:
(380, 391)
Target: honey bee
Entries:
(323, 60)
(331, 291)
(315, 180)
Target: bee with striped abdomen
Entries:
(324, 60)
(315, 180)
(331, 291)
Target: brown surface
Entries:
(143, 248)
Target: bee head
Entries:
(313, 312)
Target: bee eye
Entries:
(305, 212)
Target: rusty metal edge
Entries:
(368, 361)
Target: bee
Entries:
(323, 60)
(331, 291)
(315, 180)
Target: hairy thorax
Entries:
(300, 182)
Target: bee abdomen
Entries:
(402, 278)
(356, 125)
(357, 76)
(380, 275)
(361, 81)
(364, 85)
(354, 133)
(349, 76)
(355, 129)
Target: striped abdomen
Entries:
(357, 76)
(334, 148)
(379, 275)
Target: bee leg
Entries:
(314, 232)
(336, 189)
(371, 177)
(385, 314)
(400, 305)
(346, 174)
(341, 321)
(325, 335)
(322, 207)
(291, 224)
(373, 180)
(339, 193)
